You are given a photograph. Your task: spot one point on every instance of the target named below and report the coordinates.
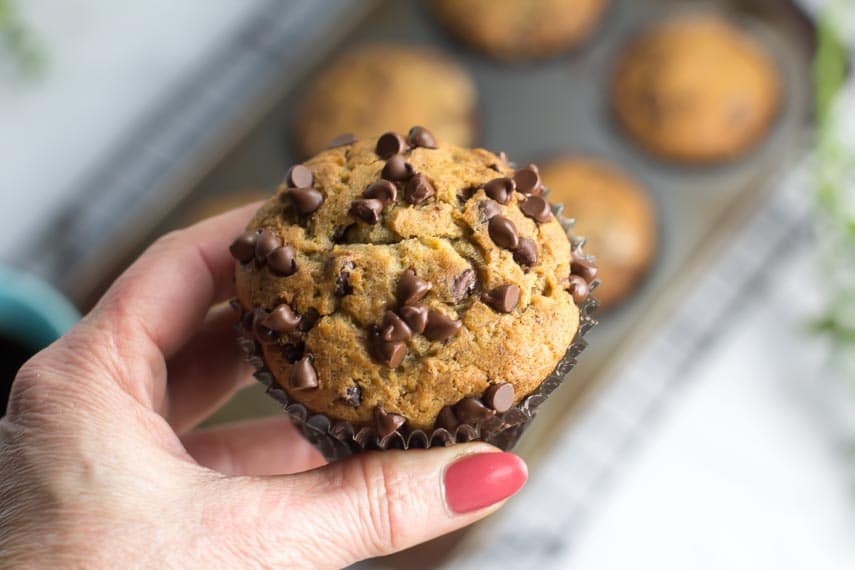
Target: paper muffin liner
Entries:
(337, 439)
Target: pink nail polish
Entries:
(477, 481)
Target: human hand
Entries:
(100, 464)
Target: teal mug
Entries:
(32, 315)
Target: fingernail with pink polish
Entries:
(478, 481)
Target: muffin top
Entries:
(695, 89)
(404, 280)
(614, 213)
(382, 87)
(521, 29)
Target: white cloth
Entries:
(746, 470)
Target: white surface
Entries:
(108, 62)
(744, 471)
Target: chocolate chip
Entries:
(536, 208)
(262, 333)
(415, 316)
(500, 397)
(446, 419)
(342, 281)
(578, 288)
(503, 232)
(282, 319)
(495, 168)
(411, 289)
(387, 423)
(503, 298)
(311, 316)
(265, 242)
(366, 209)
(283, 261)
(394, 329)
(464, 194)
(306, 200)
(500, 189)
(293, 351)
(397, 169)
(583, 268)
(418, 189)
(343, 139)
(382, 190)
(420, 136)
(471, 411)
(352, 396)
(528, 180)
(303, 375)
(340, 234)
(300, 176)
(488, 209)
(526, 252)
(390, 354)
(463, 284)
(243, 247)
(247, 321)
(440, 327)
(390, 143)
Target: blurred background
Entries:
(706, 149)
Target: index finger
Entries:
(158, 303)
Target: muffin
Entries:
(404, 287)
(521, 29)
(615, 215)
(695, 89)
(386, 87)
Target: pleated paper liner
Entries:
(337, 439)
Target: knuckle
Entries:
(27, 393)
(49, 386)
(385, 495)
(242, 503)
(54, 408)
(169, 240)
(38, 390)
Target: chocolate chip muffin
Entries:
(696, 89)
(521, 29)
(615, 215)
(403, 283)
(387, 87)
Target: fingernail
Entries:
(477, 481)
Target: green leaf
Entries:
(834, 166)
(19, 42)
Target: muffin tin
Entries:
(532, 112)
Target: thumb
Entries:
(377, 503)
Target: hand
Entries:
(100, 464)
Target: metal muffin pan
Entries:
(533, 112)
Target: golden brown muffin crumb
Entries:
(417, 310)
(521, 29)
(387, 87)
(614, 214)
(695, 89)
